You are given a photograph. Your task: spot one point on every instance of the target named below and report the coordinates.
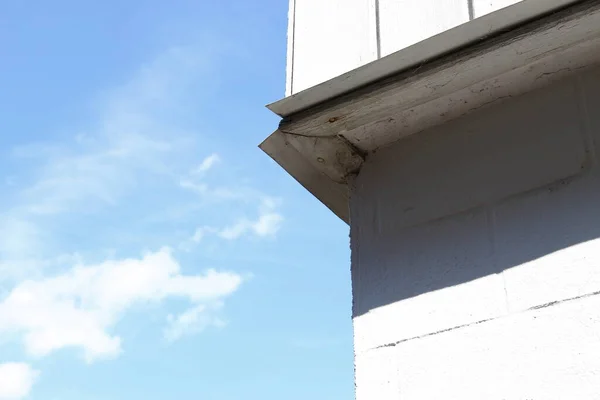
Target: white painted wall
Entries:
(476, 255)
(327, 38)
(405, 22)
(482, 7)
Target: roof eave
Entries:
(328, 130)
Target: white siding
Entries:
(327, 38)
(482, 7)
(476, 255)
(330, 37)
(406, 22)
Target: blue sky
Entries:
(148, 249)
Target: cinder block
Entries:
(551, 354)
(548, 243)
(426, 279)
(516, 146)
(590, 87)
(377, 375)
(547, 240)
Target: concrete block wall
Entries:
(329, 38)
(476, 254)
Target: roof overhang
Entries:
(329, 129)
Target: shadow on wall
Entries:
(502, 187)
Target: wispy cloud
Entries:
(133, 135)
(133, 152)
(193, 320)
(196, 182)
(16, 380)
(132, 139)
(134, 143)
(267, 223)
(199, 234)
(79, 308)
(207, 164)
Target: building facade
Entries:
(460, 140)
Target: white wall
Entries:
(476, 255)
(406, 22)
(482, 7)
(327, 38)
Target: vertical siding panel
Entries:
(482, 7)
(330, 38)
(406, 22)
(289, 84)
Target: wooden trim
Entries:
(417, 54)
(486, 73)
(333, 195)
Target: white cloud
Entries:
(199, 188)
(134, 141)
(191, 321)
(16, 380)
(19, 241)
(267, 223)
(200, 233)
(196, 238)
(78, 309)
(217, 193)
(133, 135)
(207, 164)
(23, 248)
